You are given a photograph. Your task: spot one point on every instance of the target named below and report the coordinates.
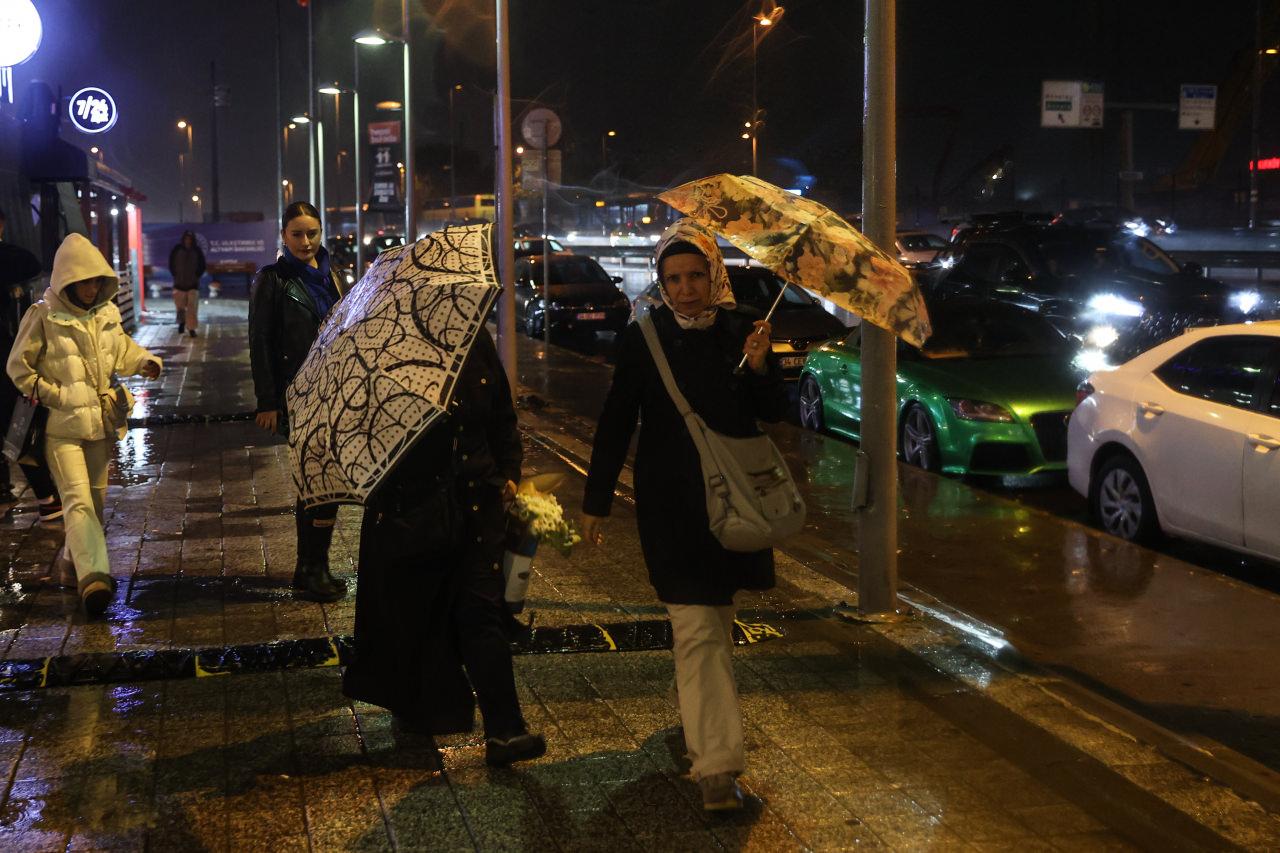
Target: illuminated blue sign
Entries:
(92, 110)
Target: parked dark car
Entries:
(584, 298)
(799, 325)
(1118, 293)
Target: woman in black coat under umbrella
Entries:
(694, 576)
(431, 618)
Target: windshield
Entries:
(1084, 254)
(758, 288)
(988, 332)
(571, 270)
(921, 242)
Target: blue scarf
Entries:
(317, 279)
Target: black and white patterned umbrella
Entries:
(384, 365)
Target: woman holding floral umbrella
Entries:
(703, 338)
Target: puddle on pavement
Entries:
(138, 450)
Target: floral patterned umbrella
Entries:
(807, 244)
(385, 363)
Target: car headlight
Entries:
(1245, 301)
(1092, 360)
(1113, 305)
(1101, 336)
(977, 410)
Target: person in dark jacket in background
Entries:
(287, 303)
(694, 576)
(186, 264)
(431, 619)
(17, 267)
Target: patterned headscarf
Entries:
(688, 231)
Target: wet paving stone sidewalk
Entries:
(859, 736)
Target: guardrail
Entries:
(1217, 262)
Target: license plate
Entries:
(591, 315)
(792, 360)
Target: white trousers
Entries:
(79, 470)
(706, 689)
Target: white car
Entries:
(1185, 439)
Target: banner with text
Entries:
(385, 150)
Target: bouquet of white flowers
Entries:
(544, 516)
(535, 517)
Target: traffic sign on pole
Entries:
(1197, 106)
(540, 128)
(1071, 103)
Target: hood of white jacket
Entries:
(76, 260)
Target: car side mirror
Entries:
(616, 279)
(1192, 268)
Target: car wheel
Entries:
(810, 404)
(918, 440)
(1121, 501)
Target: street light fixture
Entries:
(371, 38)
(337, 91)
(453, 144)
(768, 16)
(604, 147)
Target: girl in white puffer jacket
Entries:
(69, 348)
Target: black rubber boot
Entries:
(312, 581)
(311, 575)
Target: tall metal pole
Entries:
(1126, 159)
(503, 195)
(279, 122)
(357, 156)
(755, 106)
(1255, 146)
(546, 254)
(311, 108)
(453, 142)
(410, 200)
(319, 201)
(878, 517)
(213, 143)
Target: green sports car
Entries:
(990, 393)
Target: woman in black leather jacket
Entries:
(287, 303)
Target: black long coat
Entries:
(406, 633)
(686, 563)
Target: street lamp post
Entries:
(284, 162)
(337, 91)
(375, 38)
(184, 162)
(305, 118)
(1255, 146)
(763, 20)
(410, 200)
(604, 148)
(453, 165)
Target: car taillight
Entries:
(1083, 390)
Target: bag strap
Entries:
(660, 360)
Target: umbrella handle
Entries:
(742, 365)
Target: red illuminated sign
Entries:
(1266, 165)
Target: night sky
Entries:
(671, 76)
